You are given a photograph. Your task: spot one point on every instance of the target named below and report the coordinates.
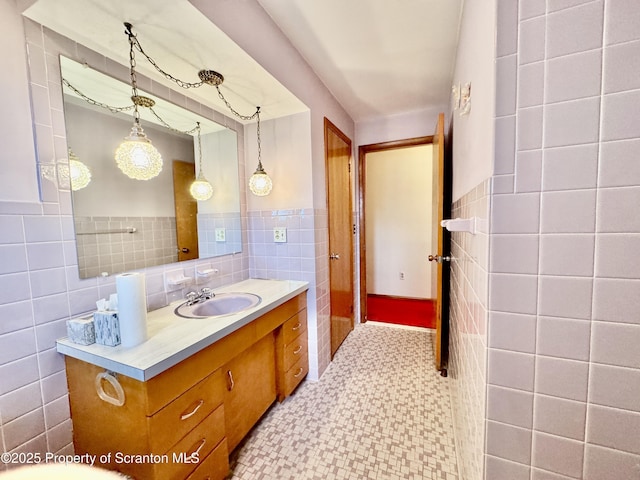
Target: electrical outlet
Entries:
(280, 234)
(401, 275)
(221, 234)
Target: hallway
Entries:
(380, 411)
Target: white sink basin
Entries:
(221, 304)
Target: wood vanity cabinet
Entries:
(293, 359)
(202, 407)
(251, 389)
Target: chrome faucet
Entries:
(197, 297)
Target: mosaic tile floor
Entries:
(380, 411)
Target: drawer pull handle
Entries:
(119, 399)
(230, 382)
(299, 372)
(197, 450)
(185, 416)
(296, 327)
(297, 350)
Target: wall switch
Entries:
(221, 234)
(280, 234)
(401, 275)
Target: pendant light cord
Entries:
(134, 42)
(132, 64)
(200, 171)
(257, 114)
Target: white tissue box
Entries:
(107, 328)
(81, 331)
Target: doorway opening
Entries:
(441, 190)
(396, 200)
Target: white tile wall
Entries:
(567, 344)
(301, 257)
(468, 334)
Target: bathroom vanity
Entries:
(175, 406)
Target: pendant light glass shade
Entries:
(137, 157)
(201, 189)
(79, 173)
(260, 184)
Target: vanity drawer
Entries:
(201, 440)
(215, 466)
(179, 417)
(295, 350)
(295, 375)
(293, 327)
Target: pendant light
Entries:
(260, 184)
(136, 156)
(79, 173)
(200, 189)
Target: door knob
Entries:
(334, 256)
(184, 250)
(439, 258)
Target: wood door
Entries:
(184, 173)
(338, 167)
(442, 185)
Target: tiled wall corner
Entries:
(302, 257)
(564, 282)
(468, 335)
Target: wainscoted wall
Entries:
(138, 242)
(208, 242)
(302, 257)
(563, 365)
(39, 291)
(39, 284)
(468, 332)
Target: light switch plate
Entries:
(279, 234)
(221, 234)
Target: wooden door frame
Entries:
(363, 150)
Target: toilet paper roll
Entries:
(132, 308)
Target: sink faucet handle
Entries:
(207, 293)
(191, 297)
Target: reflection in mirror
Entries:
(124, 224)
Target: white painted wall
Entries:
(398, 206)
(475, 63)
(18, 180)
(419, 123)
(286, 157)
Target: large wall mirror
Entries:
(122, 223)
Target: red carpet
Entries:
(401, 311)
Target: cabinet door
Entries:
(251, 388)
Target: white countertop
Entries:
(173, 338)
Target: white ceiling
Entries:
(377, 57)
(180, 39)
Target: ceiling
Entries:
(377, 57)
(182, 48)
